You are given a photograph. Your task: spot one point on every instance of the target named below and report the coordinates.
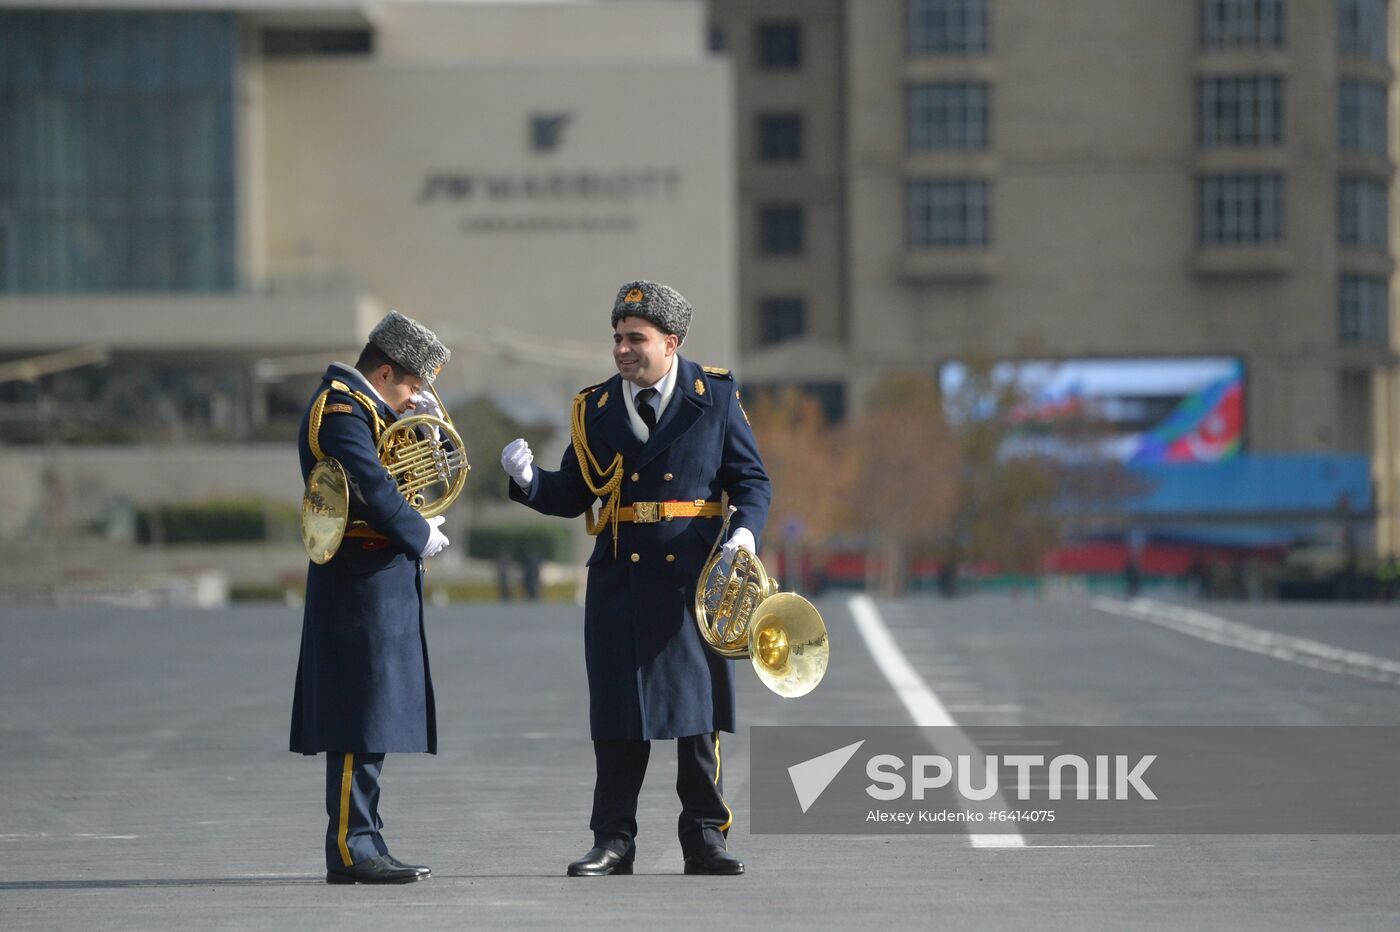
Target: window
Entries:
(779, 46)
(781, 319)
(1242, 24)
(947, 116)
(829, 396)
(1361, 117)
(943, 27)
(1240, 111)
(948, 214)
(1363, 213)
(780, 137)
(1241, 209)
(716, 39)
(781, 230)
(1364, 305)
(290, 43)
(1362, 28)
(116, 150)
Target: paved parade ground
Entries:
(147, 785)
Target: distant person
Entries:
(503, 587)
(660, 443)
(530, 573)
(1132, 578)
(363, 687)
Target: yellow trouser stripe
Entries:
(730, 821)
(345, 776)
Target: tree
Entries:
(905, 464)
(810, 471)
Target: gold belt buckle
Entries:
(645, 512)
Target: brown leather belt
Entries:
(652, 512)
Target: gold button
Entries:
(636, 557)
(668, 477)
(636, 477)
(670, 558)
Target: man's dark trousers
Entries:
(705, 817)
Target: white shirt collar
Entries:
(360, 377)
(667, 387)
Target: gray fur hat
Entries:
(662, 305)
(411, 345)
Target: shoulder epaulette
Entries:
(340, 386)
(589, 389)
(717, 372)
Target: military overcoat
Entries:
(649, 673)
(363, 683)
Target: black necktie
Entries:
(644, 407)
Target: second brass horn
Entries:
(741, 613)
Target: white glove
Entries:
(437, 541)
(516, 459)
(426, 403)
(742, 537)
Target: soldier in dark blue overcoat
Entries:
(658, 445)
(363, 687)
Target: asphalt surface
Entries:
(146, 782)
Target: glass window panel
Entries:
(1240, 111)
(781, 229)
(948, 213)
(1362, 28)
(111, 48)
(780, 137)
(21, 49)
(940, 27)
(947, 116)
(779, 45)
(1364, 311)
(1363, 213)
(1362, 117)
(1238, 24)
(67, 55)
(154, 53)
(781, 318)
(1236, 209)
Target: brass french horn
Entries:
(741, 613)
(428, 465)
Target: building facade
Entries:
(1134, 179)
(221, 197)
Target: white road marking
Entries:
(1035, 847)
(1303, 651)
(920, 701)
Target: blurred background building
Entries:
(1135, 180)
(1173, 215)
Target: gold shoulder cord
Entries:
(313, 433)
(609, 480)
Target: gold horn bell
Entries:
(429, 466)
(741, 613)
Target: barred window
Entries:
(1362, 28)
(943, 27)
(1363, 213)
(781, 318)
(1242, 24)
(780, 137)
(1241, 209)
(947, 116)
(781, 229)
(1240, 111)
(779, 45)
(949, 213)
(1361, 117)
(1364, 311)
